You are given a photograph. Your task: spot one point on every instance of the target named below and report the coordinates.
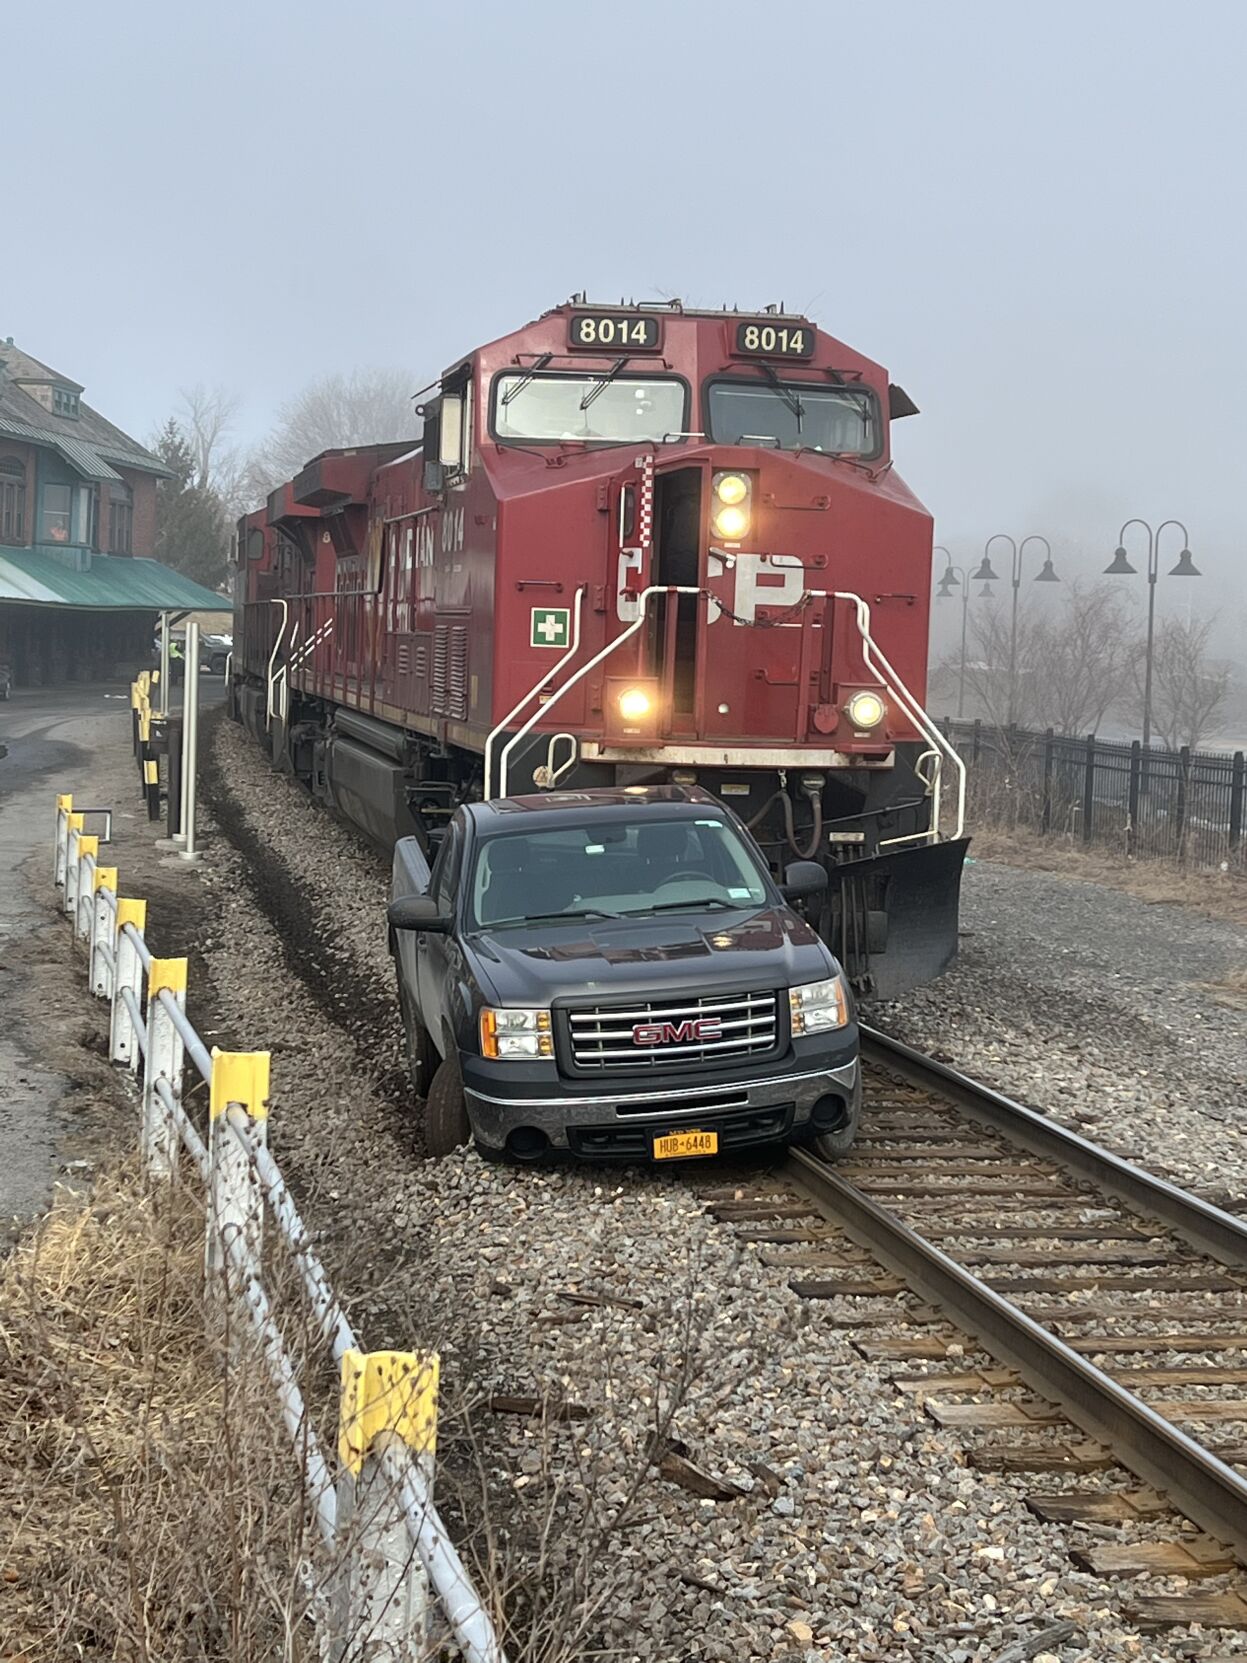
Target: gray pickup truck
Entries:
(614, 974)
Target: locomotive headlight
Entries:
(731, 524)
(732, 511)
(515, 1034)
(816, 1007)
(865, 710)
(634, 704)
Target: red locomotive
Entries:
(633, 544)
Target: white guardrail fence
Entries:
(394, 1565)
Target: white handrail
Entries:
(272, 657)
(877, 661)
(532, 693)
(544, 710)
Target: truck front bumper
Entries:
(771, 1107)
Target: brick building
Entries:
(79, 590)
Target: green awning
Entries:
(112, 583)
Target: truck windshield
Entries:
(625, 869)
(620, 409)
(794, 415)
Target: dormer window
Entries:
(64, 402)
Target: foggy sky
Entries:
(1032, 215)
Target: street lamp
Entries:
(953, 577)
(1046, 574)
(1121, 567)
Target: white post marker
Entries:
(165, 633)
(123, 1045)
(388, 1417)
(190, 739)
(162, 1060)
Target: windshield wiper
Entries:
(698, 901)
(546, 917)
(600, 387)
(514, 392)
(786, 393)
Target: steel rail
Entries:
(1199, 1485)
(1219, 1234)
(135, 1012)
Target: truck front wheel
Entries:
(446, 1125)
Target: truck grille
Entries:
(678, 1030)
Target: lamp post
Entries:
(1121, 567)
(1046, 574)
(952, 577)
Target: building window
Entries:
(12, 500)
(120, 520)
(64, 403)
(54, 518)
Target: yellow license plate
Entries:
(677, 1146)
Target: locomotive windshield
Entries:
(617, 409)
(794, 415)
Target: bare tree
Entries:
(364, 407)
(206, 419)
(1082, 659)
(1188, 687)
(1071, 664)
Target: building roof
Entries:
(111, 583)
(99, 447)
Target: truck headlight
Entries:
(515, 1033)
(817, 1007)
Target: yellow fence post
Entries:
(123, 1045)
(387, 1418)
(238, 1088)
(101, 962)
(162, 1062)
(73, 832)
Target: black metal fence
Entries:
(1181, 805)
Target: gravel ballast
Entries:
(859, 1531)
(1101, 1010)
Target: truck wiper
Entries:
(699, 901)
(546, 917)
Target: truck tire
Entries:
(446, 1126)
(422, 1057)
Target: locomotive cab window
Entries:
(599, 409)
(794, 415)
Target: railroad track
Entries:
(1099, 1313)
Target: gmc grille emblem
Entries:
(678, 1033)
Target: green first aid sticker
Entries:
(551, 627)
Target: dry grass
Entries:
(1231, 990)
(147, 1497)
(1213, 894)
(150, 1509)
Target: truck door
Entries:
(437, 956)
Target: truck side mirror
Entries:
(417, 912)
(803, 878)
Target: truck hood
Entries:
(704, 952)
